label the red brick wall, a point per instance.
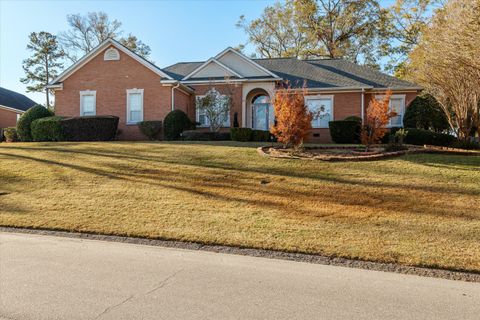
(184, 102)
(7, 118)
(235, 90)
(344, 105)
(111, 79)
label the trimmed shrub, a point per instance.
(151, 129)
(91, 128)
(422, 137)
(175, 123)
(424, 112)
(345, 131)
(261, 135)
(241, 134)
(195, 135)
(47, 129)
(24, 123)
(10, 134)
(468, 145)
(353, 118)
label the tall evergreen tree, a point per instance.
(44, 64)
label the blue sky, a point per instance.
(175, 30)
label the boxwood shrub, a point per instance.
(196, 135)
(422, 137)
(151, 129)
(91, 128)
(175, 123)
(10, 134)
(261, 135)
(25, 122)
(47, 129)
(241, 134)
(345, 131)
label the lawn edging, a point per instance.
(255, 252)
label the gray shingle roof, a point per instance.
(12, 99)
(321, 73)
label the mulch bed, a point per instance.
(353, 153)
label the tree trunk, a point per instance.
(46, 82)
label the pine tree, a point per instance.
(43, 65)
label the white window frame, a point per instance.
(207, 125)
(111, 54)
(134, 91)
(88, 93)
(402, 114)
(322, 97)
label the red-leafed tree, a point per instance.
(375, 124)
(293, 120)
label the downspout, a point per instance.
(173, 94)
(363, 105)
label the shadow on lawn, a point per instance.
(235, 184)
(281, 167)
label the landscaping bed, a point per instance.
(416, 210)
(354, 153)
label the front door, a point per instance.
(263, 115)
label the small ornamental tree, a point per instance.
(377, 118)
(293, 120)
(216, 107)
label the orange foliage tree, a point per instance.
(293, 120)
(377, 118)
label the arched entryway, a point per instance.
(260, 113)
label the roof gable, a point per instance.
(212, 68)
(242, 64)
(99, 49)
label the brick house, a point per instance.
(12, 106)
(112, 80)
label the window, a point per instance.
(397, 104)
(111, 54)
(322, 109)
(18, 116)
(88, 103)
(203, 120)
(134, 105)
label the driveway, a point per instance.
(43, 277)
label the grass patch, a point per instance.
(421, 210)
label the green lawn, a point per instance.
(419, 210)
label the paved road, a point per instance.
(45, 277)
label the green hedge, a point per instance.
(92, 128)
(10, 134)
(261, 135)
(241, 134)
(47, 129)
(345, 131)
(151, 129)
(195, 135)
(24, 124)
(422, 137)
(175, 123)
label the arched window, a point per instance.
(111, 54)
(263, 115)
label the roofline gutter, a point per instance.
(55, 86)
(12, 109)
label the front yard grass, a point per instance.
(421, 210)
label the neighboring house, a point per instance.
(112, 80)
(12, 106)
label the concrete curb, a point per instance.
(264, 253)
